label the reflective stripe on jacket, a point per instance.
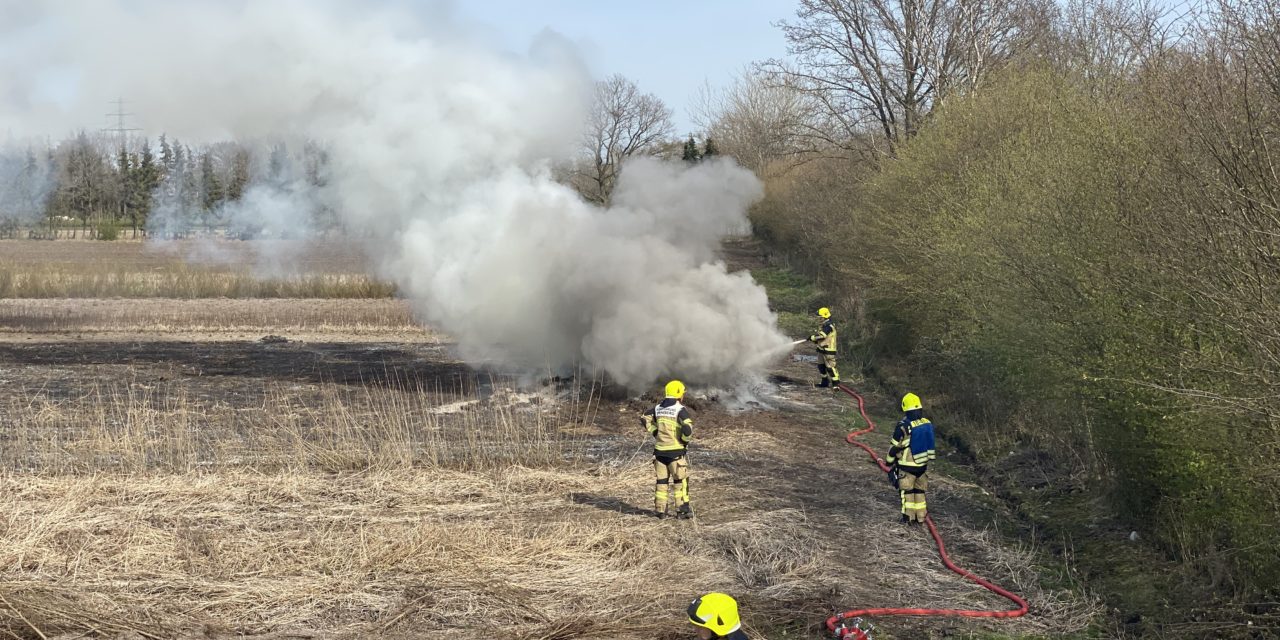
(912, 444)
(825, 337)
(670, 425)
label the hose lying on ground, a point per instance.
(942, 551)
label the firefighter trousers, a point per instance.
(830, 376)
(912, 487)
(672, 473)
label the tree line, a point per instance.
(99, 185)
(1061, 220)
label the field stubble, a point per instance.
(351, 511)
(168, 476)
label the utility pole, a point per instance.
(122, 133)
(120, 130)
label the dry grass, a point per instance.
(338, 511)
(138, 428)
(422, 554)
(23, 281)
(210, 269)
(353, 513)
(159, 316)
(319, 257)
(214, 491)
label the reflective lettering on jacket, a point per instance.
(912, 444)
(825, 337)
(670, 425)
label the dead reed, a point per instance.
(343, 320)
(187, 269)
(413, 554)
(178, 281)
(135, 428)
(390, 510)
(351, 512)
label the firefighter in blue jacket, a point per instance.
(910, 451)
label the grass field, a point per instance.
(167, 473)
(185, 269)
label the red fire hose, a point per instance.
(942, 551)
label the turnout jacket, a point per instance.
(825, 338)
(911, 447)
(671, 427)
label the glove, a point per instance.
(893, 477)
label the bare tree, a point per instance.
(624, 122)
(753, 121)
(85, 179)
(1109, 40)
(876, 68)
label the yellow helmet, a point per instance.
(910, 402)
(717, 612)
(824, 313)
(675, 389)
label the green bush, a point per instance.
(1066, 267)
(107, 231)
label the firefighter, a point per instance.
(716, 616)
(910, 451)
(671, 427)
(825, 338)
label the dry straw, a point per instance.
(391, 510)
(359, 511)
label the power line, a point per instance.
(120, 129)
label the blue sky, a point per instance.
(668, 47)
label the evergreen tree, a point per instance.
(211, 192)
(190, 192)
(124, 184)
(146, 179)
(166, 154)
(278, 165)
(690, 153)
(709, 149)
(33, 179)
(239, 174)
(177, 164)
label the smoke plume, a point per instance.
(25, 184)
(438, 152)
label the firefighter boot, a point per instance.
(684, 512)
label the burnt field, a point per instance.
(328, 468)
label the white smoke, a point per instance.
(438, 153)
(26, 181)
